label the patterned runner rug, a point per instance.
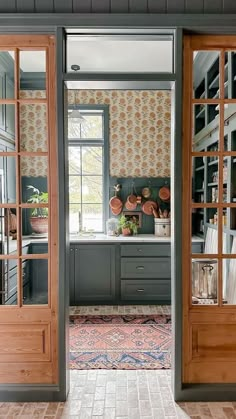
(120, 342)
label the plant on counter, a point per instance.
(128, 226)
(39, 216)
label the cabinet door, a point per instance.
(94, 273)
(72, 275)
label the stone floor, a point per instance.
(114, 394)
(119, 394)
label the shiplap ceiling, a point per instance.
(117, 6)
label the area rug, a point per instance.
(120, 342)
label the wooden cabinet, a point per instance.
(94, 274)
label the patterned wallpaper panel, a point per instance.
(33, 134)
(140, 124)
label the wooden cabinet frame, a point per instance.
(209, 347)
(33, 360)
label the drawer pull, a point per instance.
(140, 268)
(140, 290)
(139, 250)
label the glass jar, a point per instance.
(112, 226)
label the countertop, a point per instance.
(144, 238)
(99, 238)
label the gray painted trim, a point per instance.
(63, 289)
(176, 199)
(27, 393)
(207, 392)
(208, 23)
(120, 76)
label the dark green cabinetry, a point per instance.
(38, 275)
(145, 273)
(94, 274)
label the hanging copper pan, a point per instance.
(115, 203)
(116, 211)
(164, 193)
(148, 206)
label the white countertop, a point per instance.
(145, 238)
(99, 238)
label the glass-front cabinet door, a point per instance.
(209, 209)
(28, 211)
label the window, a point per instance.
(87, 169)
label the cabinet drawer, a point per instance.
(148, 250)
(145, 268)
(147, 290)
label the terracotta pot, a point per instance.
(127, 232)
(164, 193)
(39, 224)
(132, 199)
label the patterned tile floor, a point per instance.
(117, 394)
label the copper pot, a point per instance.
(164, 193)
(148, 206)
(146, 192)
(115, 203)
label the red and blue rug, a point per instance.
(120, 342)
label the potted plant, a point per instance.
(39, 216)
(128, 226)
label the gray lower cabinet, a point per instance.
(95, 273)
(145, 273)
(38, 275)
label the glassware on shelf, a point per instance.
(204, 278)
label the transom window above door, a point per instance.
(87, 168)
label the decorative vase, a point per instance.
(39, 224)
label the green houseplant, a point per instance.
(39, 216)
(128, 226)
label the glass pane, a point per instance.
(230, 75)
(7, 179)
(33, 127)
(120, 54)
(92, 217)
(204, 224)
(7, 76)
(75, 189)
(35, 281)
(198, 184)
(92, 189)
(229, 127)
(229, 279)
(92, 160)
(34, 175)
(35, 222)
(75, 218)
(206, 74)
(8, 230)
(204, 281)
(203, 115)
(8, 282)
(74, 161)
(90, 128)
(33, 73)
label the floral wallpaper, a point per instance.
(33, 134)
(140, 127)
(139, 124)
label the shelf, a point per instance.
(213, 184)
(234, 160)
(232, 232)
(199, 190)
(200, 168)
(215, 83)
(213, 162)
(201, 114)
